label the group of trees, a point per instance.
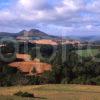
(70, 68)
(67, 68)
(12, 77)
(73, 70)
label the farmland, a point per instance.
(53, 92)
(88, 52)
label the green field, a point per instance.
(88, 52)
(53, 92)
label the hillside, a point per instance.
(33, 34)
(6, 34)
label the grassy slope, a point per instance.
(54, 92)
(88, 52)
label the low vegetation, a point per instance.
(52, 92)
(88, 52)
(71, 70)
(24, 94)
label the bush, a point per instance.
(24, 94)
(96, 80)
(65, 81)
(18, 93)
(35, 80)
(79, 80)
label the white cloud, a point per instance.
(89, 27)
(94, 6)
(39, 9)
(42, 9)
(32, 4)
(5, 15)
(66, 6)
(66, 16)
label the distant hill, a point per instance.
(85, 38)
(37, 34)
(3, 34)
(33, 33)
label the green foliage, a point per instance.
(24, 94)
(66, 68)
(96, 80)
(9, 70)
(80, 80)
(88, 52)
(34, 80)
(42, 52)
(65, 81)
(74, 71)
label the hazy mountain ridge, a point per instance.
(35, 33)
(84, 38)
(31, 33)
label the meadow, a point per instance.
(88, 52)
(53, 92)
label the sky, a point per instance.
(55, 17)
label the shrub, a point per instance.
(79, 80)
(24, 94)
(18, 93)
(65, 81)
(96, 80)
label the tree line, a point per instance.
(71, 70)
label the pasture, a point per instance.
(88, 52)
(53, 92)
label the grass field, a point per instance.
(53, 92)
(88, 52)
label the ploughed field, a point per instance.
(52, 92)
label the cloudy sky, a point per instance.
(56, 17)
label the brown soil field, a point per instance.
(24, 57)
(27, 65)
(45, 41)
